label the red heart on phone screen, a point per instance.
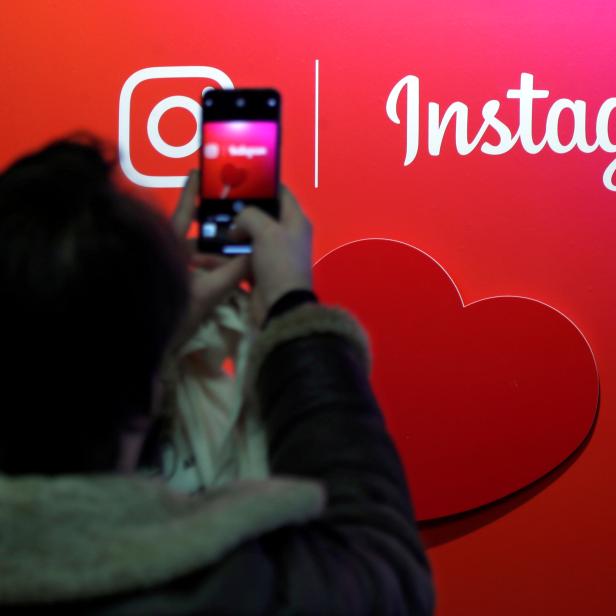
(482, 399)
(232, 176)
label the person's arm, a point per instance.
(364, 554)
(309, 368)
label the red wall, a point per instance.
(534, 225)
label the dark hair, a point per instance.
(93, 284)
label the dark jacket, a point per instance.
(331, 533)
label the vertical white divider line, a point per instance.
(316, 123)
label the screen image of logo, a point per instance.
(147, 135)
(240, 159)
(211, 151)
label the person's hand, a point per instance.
(212, 277)
(281, 257)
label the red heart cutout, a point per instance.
(481, 400)
(232, 176)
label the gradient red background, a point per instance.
(257, 174)
(540, 226)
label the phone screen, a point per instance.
(240, 156)
(239, 162)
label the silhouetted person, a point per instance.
(96, 296)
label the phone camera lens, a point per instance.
(240, 102)
(271, 102)
(209, 102)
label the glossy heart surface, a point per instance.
(482, 399)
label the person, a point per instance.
(98, 290)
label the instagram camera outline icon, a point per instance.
(160, 72)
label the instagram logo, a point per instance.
(211, 151)
(159, 127)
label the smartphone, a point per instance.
(240, 162)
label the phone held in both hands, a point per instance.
(240, 162)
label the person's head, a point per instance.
(93, 284)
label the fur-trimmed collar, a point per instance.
(305, 320)
(75, 537)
